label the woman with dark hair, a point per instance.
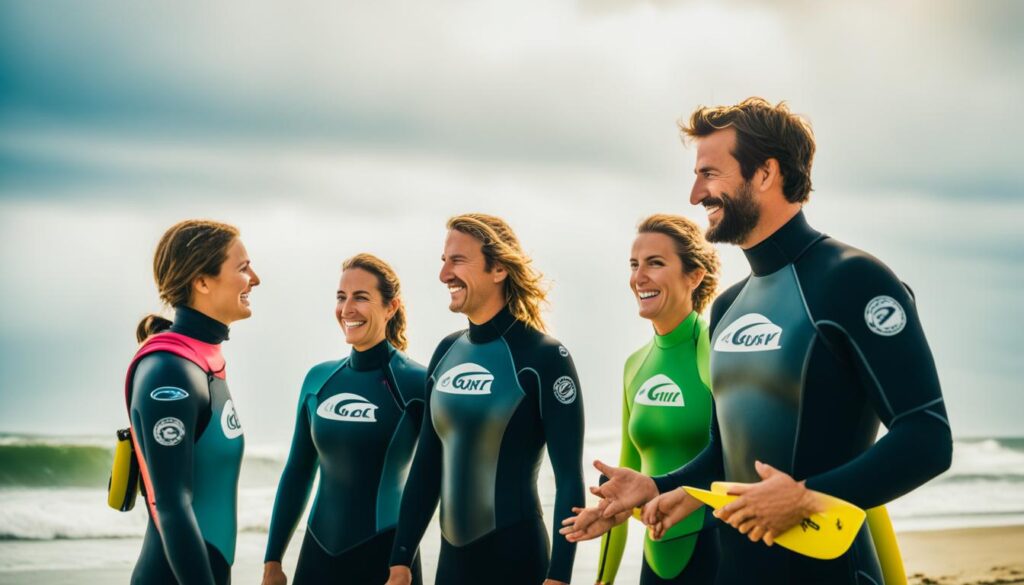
(666, 403)
(358, 420)
(184, 427)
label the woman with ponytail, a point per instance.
(357, 423)
(184, 428)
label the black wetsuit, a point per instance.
(495, 395)
(820, 343)
(185, 424)
(358, 418)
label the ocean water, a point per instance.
(53, 512)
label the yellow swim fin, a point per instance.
(124, 474)
(886, 546)
(825, 535)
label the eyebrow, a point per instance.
(704, 169)
(648, 258)
(244, 263)
(355, 292)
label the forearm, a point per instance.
(914, 451)
(292, 497)
(183, 543)
(705, 468)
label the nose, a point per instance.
(254, 279)
(446, 272)
(698, 193)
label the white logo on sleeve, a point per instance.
(348, 407)
(169, 431)
(229, 421)
(467, 378)
(659, 390)
(562, 351)
(168, 394)
(885, 316)
(565, 390)
(751, 332)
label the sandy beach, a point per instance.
(969, 556)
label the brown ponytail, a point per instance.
(389, 288)
(188, 250)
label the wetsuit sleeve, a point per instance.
(561, 405)
(169, 396)
(877, 329)
(613, 543)
(423, 486)
(295, 485)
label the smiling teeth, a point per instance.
(454, 289)
(648, 294)
(351, 324)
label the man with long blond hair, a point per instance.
(497, 392)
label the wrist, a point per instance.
(810, 503)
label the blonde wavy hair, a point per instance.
(524, 287)
(692, 248)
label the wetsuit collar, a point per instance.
(371, 359)
(685, 331)
(493, 329)
(188, 321)
(783, 247)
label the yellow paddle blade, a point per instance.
(825, 535)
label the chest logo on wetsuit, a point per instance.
(565, 390)
(885, 316)
(229, 421)
(467, 378)
(659, 390)
(751, 332)
(347, 407)
(168, 393)
(169, 431)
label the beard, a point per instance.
(739, 216)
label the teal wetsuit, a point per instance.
(666, 415)
(358, 420)
(190, 451)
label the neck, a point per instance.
(772, 218)
(487, 311)
(667, 324)
(363, 346)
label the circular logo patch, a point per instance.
(169, 431)
(168, 393)
(565, 390)
(885, 316)
(562, 351)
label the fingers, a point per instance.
(764, 470)
(607, 470)
(613, 508)
(769, 538)
(735, 517)
(739, 489)
(726, 511)
(756, 534)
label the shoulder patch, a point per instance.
(169, 431)
(885, 316)
(562, 351)
(565, 390)
(168, 393)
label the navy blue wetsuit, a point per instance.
(358, 418)
(809, 353)
(191, 443)
(496, 393)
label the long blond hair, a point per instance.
(524, 288)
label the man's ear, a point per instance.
(499, 273)
(768, 175)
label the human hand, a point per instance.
(589, 523)
(400, 575)
(625, 489)
(667, 510)
(273, 574)
(770, 507)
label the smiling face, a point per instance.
(733, 211)
(225, 297)
(361, 310)
(663, 290)
(475, 291)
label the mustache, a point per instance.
(711, 200)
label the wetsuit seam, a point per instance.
(938, 416)
(916, 409)
(396, 393)
(384, 467)
(866, 576)
(445, 354)
(804, 368)
(864, 361)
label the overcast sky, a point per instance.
(325, 131)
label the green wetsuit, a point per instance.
(666, 415)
